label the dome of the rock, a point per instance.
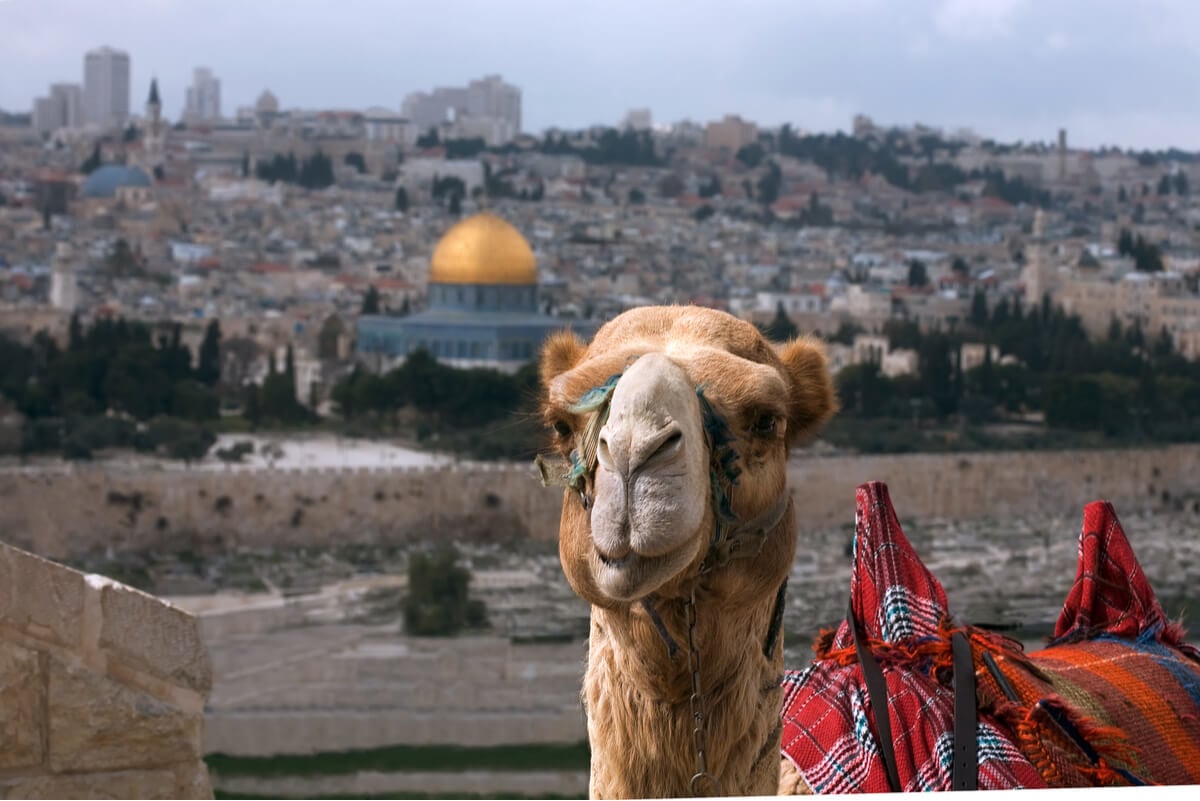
(483, 249)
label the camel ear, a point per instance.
(562, 351)
(813, 399)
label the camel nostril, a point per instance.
(668, 443)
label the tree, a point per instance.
(1164, 185)
(370, 304)
(1164, 346)
(355, 160)
(1125, 243)
(438, 601)
(455, 205)
(979, 309)
(238, 357)
(1115, 333)
(711, 187)
(670, 185)
(781, 329)
(429, 139)
(401, 200)
(121, 261)
(208, 364)
(751, 155)
(636, 197)
(245, 165)
(1181, 183)
(918, 275)
(75, 334)
(251, 403)
(192, 400)
(770, 184)
(1122, 195)
(93, 162)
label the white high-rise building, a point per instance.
(638, 119)
(69, 97)
(491, 97)
(106, 87)
(203, 96)
(63, 108)
(487, 104)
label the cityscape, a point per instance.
(263, 361)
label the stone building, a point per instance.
(483, 304)
(102, 688)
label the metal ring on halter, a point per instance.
(699, 777)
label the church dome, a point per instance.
(483, 249)
(105, 181)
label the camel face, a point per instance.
(647, 517)
(650, 481)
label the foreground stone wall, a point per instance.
(64, 513)
(102, 688)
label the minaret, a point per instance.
(1036, 276)
(154, 136)
(64, 289)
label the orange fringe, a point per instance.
(1035, 740)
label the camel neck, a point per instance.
(638, 699)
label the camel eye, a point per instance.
(764, 425)
(561, 428)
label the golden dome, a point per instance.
(483, 249)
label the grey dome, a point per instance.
(105, 181)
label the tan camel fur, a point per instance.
(645, 532)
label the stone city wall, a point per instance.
(102, 688)
(67, 512)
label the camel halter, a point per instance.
(731, 538)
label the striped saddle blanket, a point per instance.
(1114, 699)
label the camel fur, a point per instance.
(647, 532)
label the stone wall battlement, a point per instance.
(102, 688)
(65, 514)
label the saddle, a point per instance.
(901, 696)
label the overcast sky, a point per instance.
(1011, 69)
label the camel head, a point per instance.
(675, 424)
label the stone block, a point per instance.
(22, 699)
(97, 724)
(153, 636)
(123, 784)
(192, 781)
(40, 597)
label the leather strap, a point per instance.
(965, 773)
(776, 622)
(965, 768)
(877, 691)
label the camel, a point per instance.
(674, 426)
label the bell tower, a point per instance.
(154, 135)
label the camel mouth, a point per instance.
(615, 561)
(634, 576)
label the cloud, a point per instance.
(1057, 42)
(974, 20)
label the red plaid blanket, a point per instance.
(1114, 699)
(827, 728)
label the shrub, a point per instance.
(438, 603)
